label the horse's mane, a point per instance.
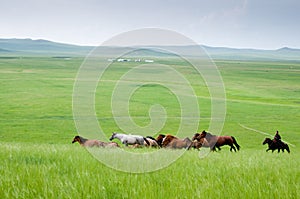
(268, 140)
(161, 135)
(171, 136)
(82, 140)
(207, 134)
(167, 139)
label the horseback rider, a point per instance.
(277, 138)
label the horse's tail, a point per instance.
(235, 143)
(150, 137)
(146, 141)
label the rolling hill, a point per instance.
(29, 47)
(41, 47)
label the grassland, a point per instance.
(36, 129)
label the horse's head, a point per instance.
(267, 140)
(112, 136)
(203, 134)
(76, 139)
(196, 136)
(159, 139)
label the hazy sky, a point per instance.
(267, 24)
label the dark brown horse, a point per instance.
(215, 141)
(91, 143)
(273, 145)
(159, 139)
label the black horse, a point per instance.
(273, 145)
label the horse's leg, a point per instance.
(232, 147)
(287, 148)
(188, 148)
(215, 147)
(282, 148)
(212, 148)
(125, 142)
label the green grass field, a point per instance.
(37, 127)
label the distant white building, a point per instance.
(149, 61)
(129, 60)
(123, 60)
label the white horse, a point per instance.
(129, 139)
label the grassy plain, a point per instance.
(36, 129)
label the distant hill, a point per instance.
(4, 50)
(253, 54)
(42, 47)
(48, 48)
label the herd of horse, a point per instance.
(204, 139)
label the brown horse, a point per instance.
(215, 141)
(200, 142)
(172, 142)
(91, 143)
(167, 140)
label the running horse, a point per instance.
(129, 139)
(200, 142)
(215, 141)
(173, 142)
(276, 145)
(91, 143)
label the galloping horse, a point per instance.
(215, 141)
(91, 143)
(276, 145)
(172, 142)
(167, 140)
(129, 139)
(200, 142)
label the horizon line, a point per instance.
(205, 45)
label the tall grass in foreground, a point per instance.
(69, 171)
